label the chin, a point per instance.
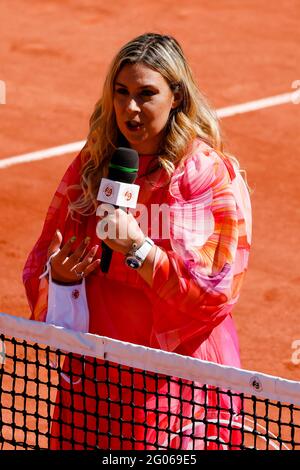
(135, 141)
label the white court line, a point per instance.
(42, 154)
(292, 97)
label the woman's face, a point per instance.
(142, 103)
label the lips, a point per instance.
(134, 125)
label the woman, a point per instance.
(190, 281)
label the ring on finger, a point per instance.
(79, 275)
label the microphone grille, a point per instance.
(124, 165)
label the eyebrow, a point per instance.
(150, 85)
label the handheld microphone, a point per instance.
(118, 189)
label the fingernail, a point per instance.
(73, 239)
(95, 248)
(87, 240)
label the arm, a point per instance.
(36, 289)
(197, 282)
(204, 238)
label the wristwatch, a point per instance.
(136, 256)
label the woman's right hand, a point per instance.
(70, 267)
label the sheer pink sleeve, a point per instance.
(37, 290)
(199, 280)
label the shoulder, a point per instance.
(202, 169)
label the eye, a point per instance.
(121, 91)
(148, 93)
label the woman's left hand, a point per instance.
(118, 229)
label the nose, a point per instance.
(132, 105)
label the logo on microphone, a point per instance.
(118, 193)
(128, 195)
(108, 190)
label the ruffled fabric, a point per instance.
(199, 267)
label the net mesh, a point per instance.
(53, 398)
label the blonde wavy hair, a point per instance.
(194, 117)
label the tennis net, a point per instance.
(65, 390)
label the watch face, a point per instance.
(132, 262)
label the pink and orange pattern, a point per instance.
(198, 270)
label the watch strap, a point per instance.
(137, 256)
(142, 252)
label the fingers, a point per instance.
(78, 253)
(65, 251)
(87, 265)
(55, 243)
(66, 265)
(91, 267)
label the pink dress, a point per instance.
(196, 283)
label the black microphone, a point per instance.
(123, 168)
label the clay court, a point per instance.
(53, 58)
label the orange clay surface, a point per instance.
(53, 58)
